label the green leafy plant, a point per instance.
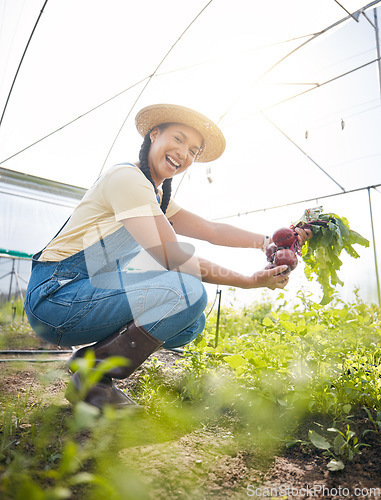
(278, 365)
(331, 235)
(91, 373)
(12, 311)
(343, 449)
(375, 421)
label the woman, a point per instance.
(85, 287)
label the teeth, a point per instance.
(176, 164)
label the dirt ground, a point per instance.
(201, 457)
(300, 472)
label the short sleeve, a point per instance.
(128, 193)
(172, 209)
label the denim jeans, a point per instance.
(91, 294)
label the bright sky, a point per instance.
(84, 53)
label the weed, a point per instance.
(12, 312)
(375, 421)
(344, 447)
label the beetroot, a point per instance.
(286, 257)
(270, 250)
(284, 250)
(284, 237)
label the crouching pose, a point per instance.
(90, 285)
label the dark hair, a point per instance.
(143, 164)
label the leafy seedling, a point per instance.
(343, 448)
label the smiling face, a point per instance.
(173, 150)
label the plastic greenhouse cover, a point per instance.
(295, 89)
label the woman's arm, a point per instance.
(191, 225)
(157, 237)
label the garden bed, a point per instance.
(230, 421)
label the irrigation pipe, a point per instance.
(374, 248)
(31, 351)
(23, 352)
(32, 360)
(176, 350)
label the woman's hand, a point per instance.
(303, 235)
(269, 278)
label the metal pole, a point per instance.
(11, 280)
(377, 43)
(18, 287)
(19, 66)
(347, 11)
(370, 201)
(374, 249)
(218, 318)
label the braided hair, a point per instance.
(143, 164)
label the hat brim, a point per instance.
(154, 115)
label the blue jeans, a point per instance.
(90, 295)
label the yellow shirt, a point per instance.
(121, 193)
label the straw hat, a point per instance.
(214, 141)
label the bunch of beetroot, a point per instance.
(284, 250)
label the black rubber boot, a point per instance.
(131, 342)
(102, 393)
